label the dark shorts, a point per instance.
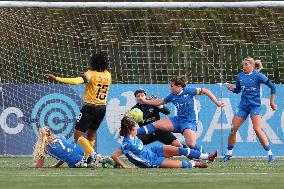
(90, 117)
(164, 137)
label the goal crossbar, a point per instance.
(39, 4)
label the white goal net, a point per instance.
(145, 48)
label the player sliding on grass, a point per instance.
(187, 116)
(98, 81)
(156, 156)
(59, 148)
(249, 83)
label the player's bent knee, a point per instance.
(233, 131)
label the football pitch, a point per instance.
(237, 173)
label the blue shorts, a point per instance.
(153, 160)
(156, 161)
(244, 112)
(75, 156)
(180, 124)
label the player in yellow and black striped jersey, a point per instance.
(98, 81)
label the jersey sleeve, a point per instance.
(192, 91)
(262, 78)
(168, 98)
(238, 88)
(123, 148)
(87, 76)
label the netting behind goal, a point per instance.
(145, 47)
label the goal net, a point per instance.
(145, 48)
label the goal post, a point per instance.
(147, 43)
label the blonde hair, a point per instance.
(256, 64)
(249, 59)
(45, 137)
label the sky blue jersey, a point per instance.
(250, 85)
(185, 103)
(63, 150)
(136, 153)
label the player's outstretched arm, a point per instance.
(38, 164)
(116, 157)
(72, 81)
(154, 102)
(208, 93)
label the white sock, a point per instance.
(203, 156)
(229, 152)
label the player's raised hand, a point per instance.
(50, 76)
(220, 104)
(143, 101)
(230, 87)
(273, 106)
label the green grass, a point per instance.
(235, 174)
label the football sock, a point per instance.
(199, 148)
(230, 150)
(268, 150)
(92, 143)
(146, 129)
(189, 153)
(84, 143)
(187, 164)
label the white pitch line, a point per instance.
(127, 175)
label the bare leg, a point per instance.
(190, 138)
(164, 125)
(236, 122)
(177, 143)
(78, 134)
(256, 121)
(168, 163)
(170, 151)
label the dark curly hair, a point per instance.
(127, 125)
(99, 62)
(179, 80)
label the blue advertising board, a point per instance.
(26, 107)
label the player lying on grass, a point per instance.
(61, 149)
(154, 157)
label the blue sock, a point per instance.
(147, 129)
(189, 153)
(230, 147)
(199, 148)
(267, 148)
(186, 164)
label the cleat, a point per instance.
(94, 160)
(212, 156)
(226, 158)
(200, 164)
(271, 159)
(82, 163)
(107, 162)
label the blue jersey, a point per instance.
(185, 103)
(250, 85)
(63, 150)
(139, 155)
